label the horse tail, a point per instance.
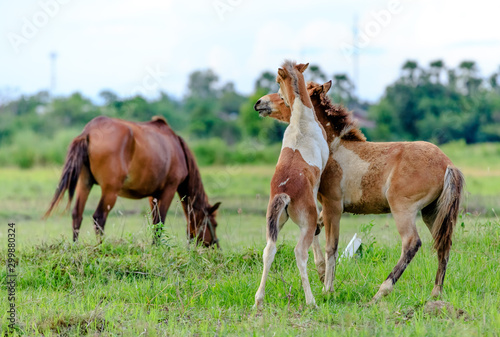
(275, 210)
(447, 208)
(75, 159)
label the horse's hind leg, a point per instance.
(429, 216)
(83, 188)
(108, 199)
(307, 229)
(268, 258)
(405, 223)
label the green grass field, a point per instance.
(126, 287)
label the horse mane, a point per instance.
(341, 120)
(192, 186)
(289, 66)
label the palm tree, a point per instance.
(469, 77)
(409, 70)
(494, 81)
(436, 69)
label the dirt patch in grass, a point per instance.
(441, 308)
(67, 325)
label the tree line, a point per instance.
(434, 103)
(439, 104)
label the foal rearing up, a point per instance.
(365, 177)
(295, 183)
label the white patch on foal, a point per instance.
(305, 135)
(284, 183)
(353, 170)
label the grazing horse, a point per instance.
(364, 177)
(135, 160)
(295, 182)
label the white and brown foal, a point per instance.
(295, 183)
(364, 177)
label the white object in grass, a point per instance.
(352, 247)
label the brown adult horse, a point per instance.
(295, 183)
(135, 160)
(364, 177)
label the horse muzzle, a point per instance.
(263, 108)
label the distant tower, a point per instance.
(355, 56)
(53, 75)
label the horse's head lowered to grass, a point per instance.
(202, 223)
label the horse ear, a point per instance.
(302, 67)
(282, 73)
(327, 86)
(214, 208)
(315, 89)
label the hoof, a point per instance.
(374, 300)
(320, 268)
(436, 291)
(312, 306)
(322, 277)
(328, 291)
(258, 305)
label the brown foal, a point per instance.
(364, 177)
(295, 183)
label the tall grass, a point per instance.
(128, 287)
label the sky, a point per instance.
(132, 47)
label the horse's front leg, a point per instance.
(331, 219)
(159, 208)
(319, 258)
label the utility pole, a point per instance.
(355, 56)
(53, 75)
